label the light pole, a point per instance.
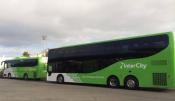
(44, 39)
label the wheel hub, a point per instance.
(113, 82)
(60, 79)
(131, 83)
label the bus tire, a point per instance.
(131, 83)
(25, 77)
(113, 82)
(60, 79)
(9, 75)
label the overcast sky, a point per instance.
(67, 22)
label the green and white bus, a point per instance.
(25, 68)
(143, 61)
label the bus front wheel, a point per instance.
(131, 83)
(60, 79)
(113, 82)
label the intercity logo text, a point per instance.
(132, 66)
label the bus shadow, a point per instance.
(157, 89)
(97, 85)
(23, 79)
(121, 87)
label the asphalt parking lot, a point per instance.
(19, 90)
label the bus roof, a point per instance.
(21, 58)
(112, 40)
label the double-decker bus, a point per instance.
(143, 61)
(25, 68)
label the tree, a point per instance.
(26, 54)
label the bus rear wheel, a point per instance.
(131, 83)
(25, 77)
(113, 82)
(60, 79)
